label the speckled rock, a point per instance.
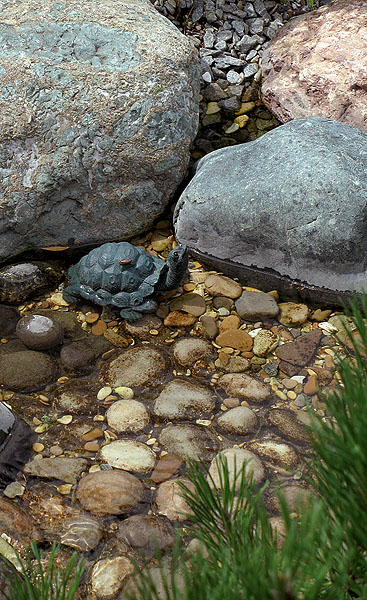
(109, 492)
(286, 422)
(236, 364)
(292, 314)
(82, 533)
(297, 354)
(109, 575)
(181, 399)
(27, 370)
(146, 533)
(244, 386)
(265, 341)
(63, 468)
(188, 350)
(129, 455)
(70, 183)
(189, 441)
(235, 458)
(275, 451)
(256, 305)
(238, 421)
(38, 332)
(127, 416)
(74, 397)
(169, 499)
(134, 367)
(22, 280)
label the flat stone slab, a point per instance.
(286, 211)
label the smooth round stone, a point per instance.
(287, 423)
(129, 456)
(143, 326)
(109, 492)
(76, 355)
(236, 364)
(39, 332)
(74, 397)
(235, 338)
(167, 466)
(219, 285)
(235, 458)
(256, 305)
(232, 322)
(127, 416)
(27, 370)
(146, 533)
(82, 533)
(297, 498)
(17, 523)
(223, 302)
(189, 441)
(192, 303)
(181, 399)
(244, 386)
(265, 341)
(210, 328)
(188, 350)
(177, 318)
(275, 452)
(170, 501)
(134, 367)
(109, 575)
(238, 421)
(292, 314)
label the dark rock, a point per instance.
(16, 523)
(39, 332)
(8, 320)
(27, 370)
(76, 355)
(301, 351)
(314, 234)
(147, 533)
(20, 281)
(16, 439)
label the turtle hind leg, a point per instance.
(72, 294)
(130, 315)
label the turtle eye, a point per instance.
(136, 301)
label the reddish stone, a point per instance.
(316, 65)
(300, 352)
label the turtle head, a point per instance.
(177, 262)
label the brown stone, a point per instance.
(219, 285)
(293, 314)
(244, 386)
(320, 315)
(300, 352)
(231, 322)
(116, 339)
(287, 423)
(191, 303)
(235, 338)
(15, 522)
(109, 492)
(166, 467)
(316, 65)
(310, 387)
(99, 328)
(179, 319)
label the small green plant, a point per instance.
(34, 581)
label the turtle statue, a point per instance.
(16, 438)
(122, 275)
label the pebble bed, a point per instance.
(118, 408)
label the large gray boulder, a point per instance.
(288, 207)
(98, 108)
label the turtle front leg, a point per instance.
(130, 315)
(71, 294)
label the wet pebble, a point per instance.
(265, 341)
(167, 466)
(109, 492)
(177, 318)
(146, 533)
(189, 441)
(238, 421)
(292, 314)
(181, 399)
(219, 285)
(109, 575)
(82, 533)
(236, 364)
(188, 350)
(235, 458)
(235, 338)
(297, 498)
(38, 332)
(256, 305)
(275, 451)
(244, 386)
(192, 303)
(127, 416)
(76, 355)
(169, 499)
(298, 353)
(143, 326)
(129, 455)
(27, 370)
(9, 317)
(287, 423)
(210, 328)
(64, 469)
(17, 524)
(134, 367)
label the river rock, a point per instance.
(109, 492)
(218, 285)
(315, 234)
(244, 386)
(76, 355)
(188, 350)
(146, 533)
(287, 423)
(9, 317)
(104, 107)
(274, 451)
(16, 523)
(108, 576)
(256, 305)
(181, 399)
(235, 458)
(312, 68)
(39, 332)
(167, 466)
(27, 370)
(134, 367)
(265, 341)
(189, 441)
(238, 421)
(129, 455)
(170, 501)
(65, 469)
(82, 533)
(127, 416)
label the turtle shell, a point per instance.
(116, 267)
(19, 281)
